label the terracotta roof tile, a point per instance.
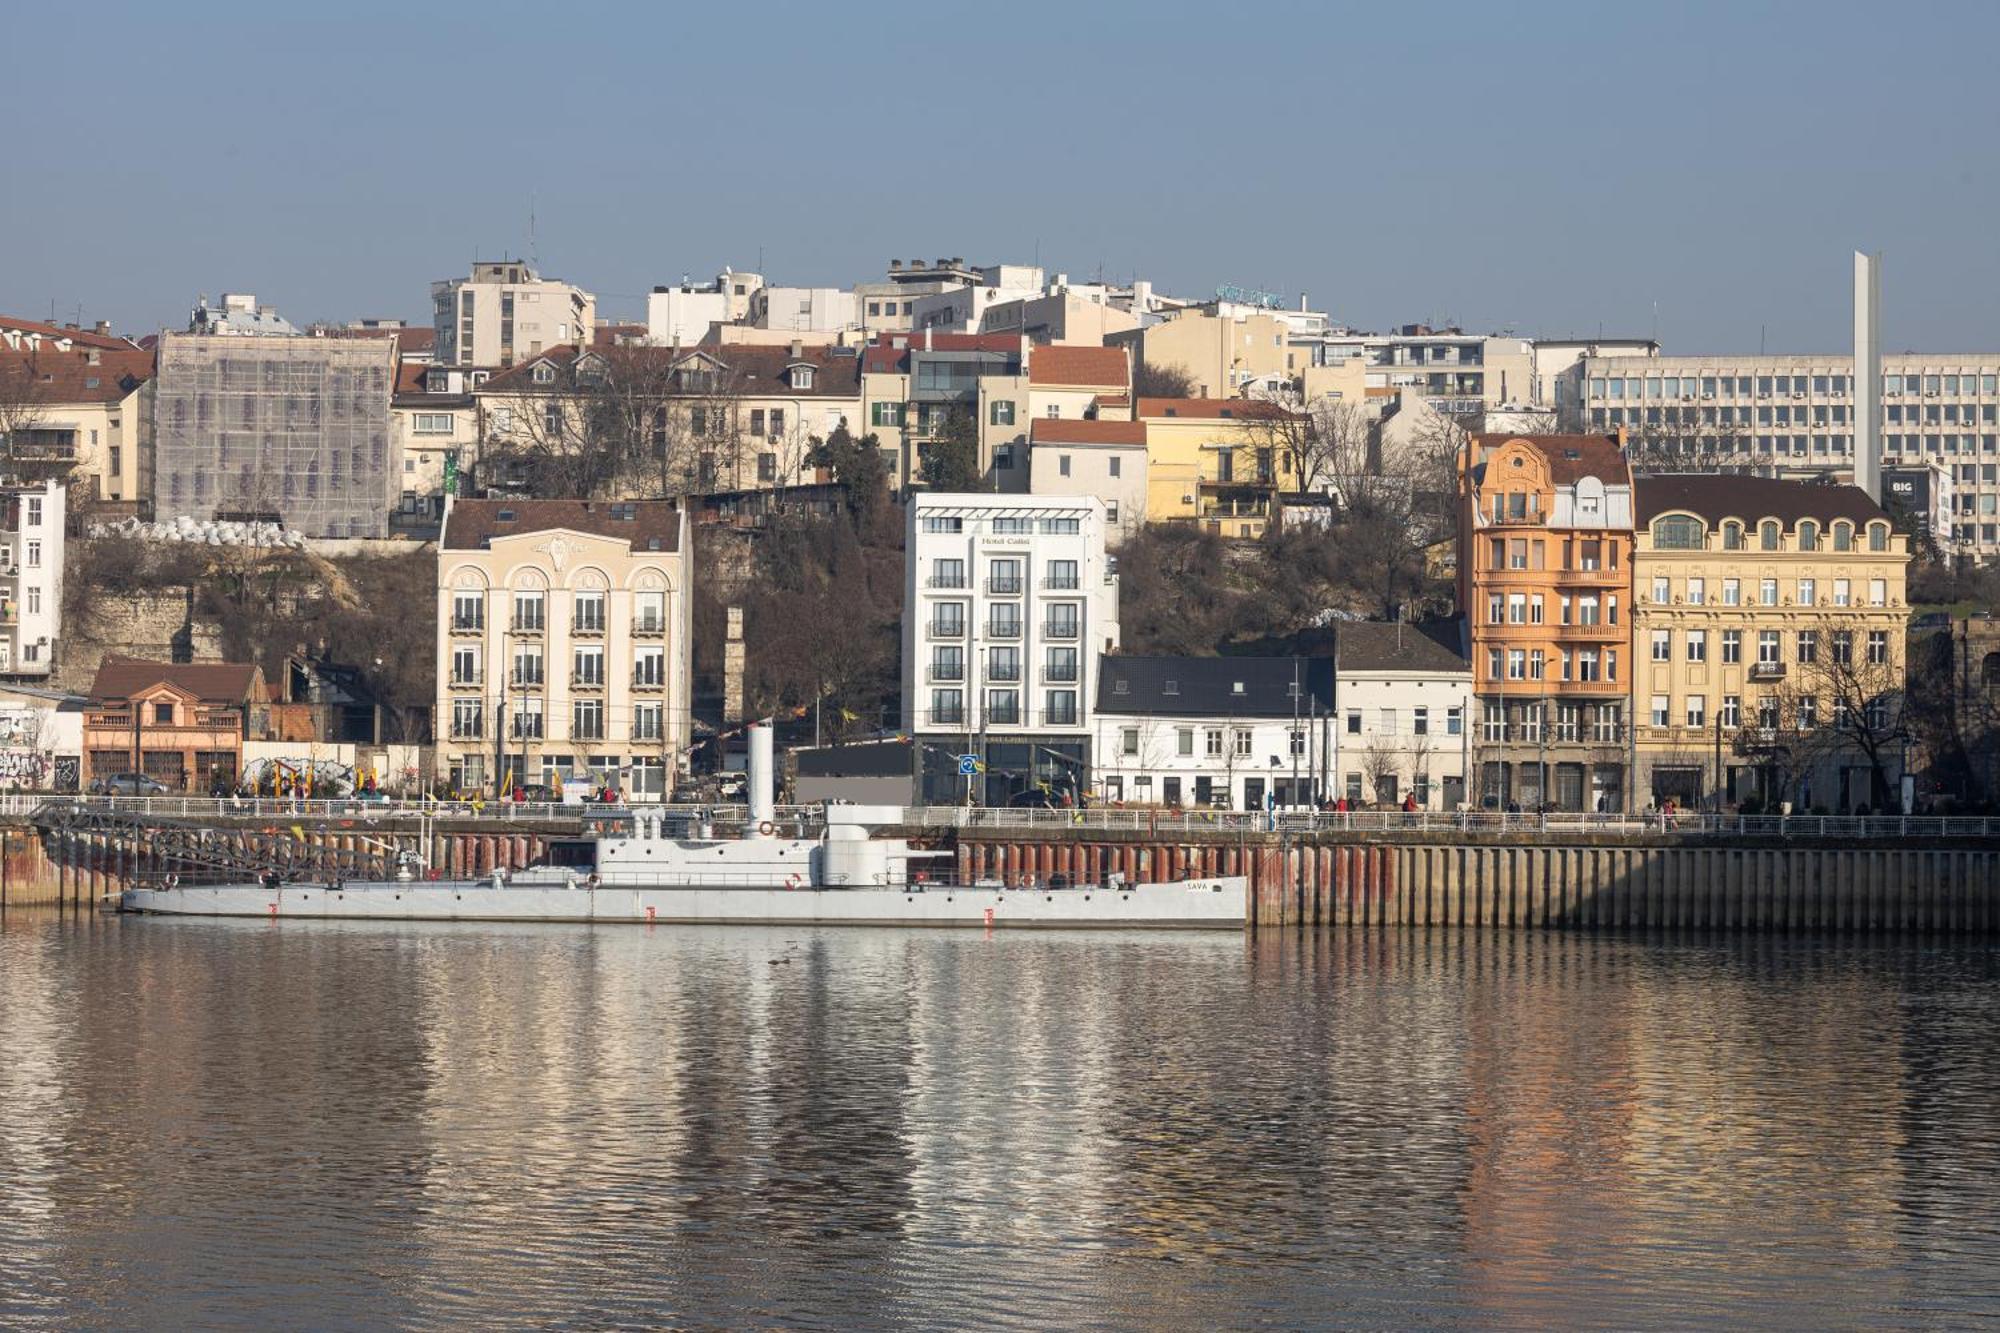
(889, 354)
(471, 524)
(1208, 409)
(1572, 457)
(211, 682)
(1087, 366)
(1047, 430)
(750, 370)
(80, 337)
(69, 377)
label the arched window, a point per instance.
(1878, 536)
(1843, 536)
(1678, 532)
(1767, 534)
(1732, 536)
(1808, 536)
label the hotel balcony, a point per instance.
(1767, 671)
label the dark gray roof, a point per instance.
(1382, 645)
(863, 759)
(1208, 686)
(1716, 496)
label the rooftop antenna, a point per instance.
(534, 251)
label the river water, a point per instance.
(223, 1123)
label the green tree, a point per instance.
(861, 470)
(951, 461)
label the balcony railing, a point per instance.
(1003, 629)
(649, 628)
(526, 680)
(947, 629)
(467, 678)
(1062, 674)
(1004, 587)
(943, 671)
(1060, 629)
(947, 717)
(946, 581)
(1004, 673)
(1062, 583)
(527, 626)
(649, 680)
(468, 624)
(1517, 520)
(1767, 671)
(1008, 715)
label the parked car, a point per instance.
(127, 784)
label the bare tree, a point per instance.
(1844, 703)
(1325, 446)
(24, 400)
(1152, 379)
(1382, 763)
(1685, 438)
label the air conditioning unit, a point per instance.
(1708, 395)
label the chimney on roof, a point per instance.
(798, 349)
(927, 337)
(895, 266)
(103, 327)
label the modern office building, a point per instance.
(1545, 577)
(563, 631)
(1784, 413)
(1768, 629)
(1009, 600)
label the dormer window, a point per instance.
(802, 377)
(544, 373)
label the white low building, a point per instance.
(1404, 697)
(1218, 732)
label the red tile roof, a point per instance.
(1049, 430)
(1208, 409)
(80, 337)
(472, 524)
(1089, 366)
(410, 340)
(49, 376)
(1571, 457)
(210, 682)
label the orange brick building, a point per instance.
(181, 723)
(1545, 582)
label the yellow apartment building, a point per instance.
(1768, 643)
(1214, 461)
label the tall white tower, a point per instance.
(1868, 374)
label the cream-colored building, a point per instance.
(563, 645)
(1214, 461)
(704, 418)
(506, 312)
(1065, 383)
(1078, 318)
(81, 414)
(1768, 640)
(912, 384)
(1224, 356)
(437, 424)
(1106, 459)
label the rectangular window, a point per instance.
(529, 612)
(1002, 412)
(1808, 647)
(431, 423)
(1767, 592)
(1386, 721)
(588, 667)
(464, 666)
(1732, 592)
(528, 724)
(1697, 710)
(467, 715)
(1842, 592)
(1059, 708)
(1212, 742)
(1878, 647)
(1697, 645)
(587, 720)
(1062, 574)
(1660, 710)
(1061, 665)
(1663, 645)
(1697, 591)
(1184, 742)
(1128, 742)
(527, 666)
(1732, 711)
(1661, 590)
(1454, 721)
(1808, 591)
(34, 553)
(588, 613)
(468, 610)
(649, 668)
(1878, 592)
(646, 722)
(1242, 742)
(1420, 721)
(1003, 707)
(1768, 647)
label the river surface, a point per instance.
(312, 1124)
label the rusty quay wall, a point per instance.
(1603, 885)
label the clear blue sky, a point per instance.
(1551, 168)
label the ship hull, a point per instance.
(1215, 904)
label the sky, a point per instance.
(1697, 173)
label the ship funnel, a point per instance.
(763, 804)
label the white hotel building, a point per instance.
(1009, 600)
(1790, 414)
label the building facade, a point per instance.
(1545, 577)
(563, 645)
(1008, 602)
(1216, 462)
(1403, 712)
(1106, 459)
(1768, 625)
(1797, 412)
(914, 385)
(505, 312)
(292, 429)
(1224, 356)
(79, 413)
(437, 433)
(182, 724)
(32, 529)
(1226, 733)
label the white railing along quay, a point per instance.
(726, 818)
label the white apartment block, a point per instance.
(1456, 373)
(803, 309)
(683, 314)
(32, 520)
(506, 312)
(563, 632)
(1789, 414)
(1009, 600)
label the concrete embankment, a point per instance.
(1530, 883)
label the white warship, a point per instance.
(639, 870)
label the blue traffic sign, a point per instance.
(970, 765)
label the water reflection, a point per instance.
(217, 1123)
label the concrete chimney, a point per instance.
(732, 667)
(763, 780)
(1868, 374)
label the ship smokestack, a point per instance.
(763, 802)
